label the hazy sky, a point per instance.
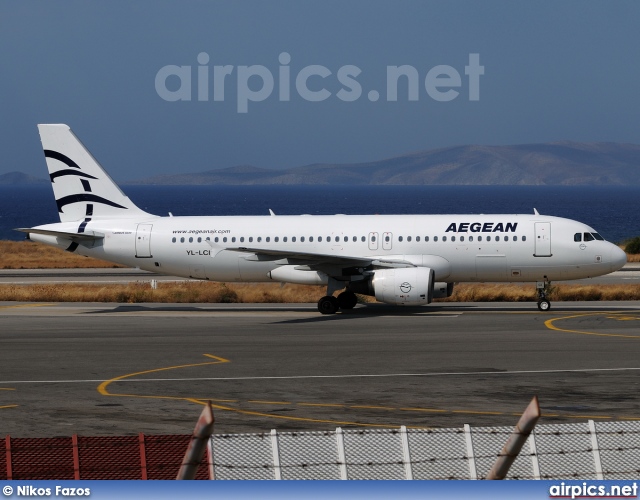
(552, 71)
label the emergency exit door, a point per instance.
(543, 239)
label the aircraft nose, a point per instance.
(617, 258)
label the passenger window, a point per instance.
(173, 240)
(399, 238)
(302, 239)
(241, 239)
(577, 237)
(506, 238)
(216, 239)
(588, 237)
(337, 238)
(328, 239)
(417, 238)
(408, 238)
(224, 240)
(310, 239)
(453, 238)
(276, 239)
(355, 238)
(435, 238)
(515, 238)
(363, 239)
(386, 238)
(233, 239)
(597, 236)
(250, 239)
(259, 239)
(524, 238)
(293, 239)
(488, 238)
(190, 240)
(346, 238)
(461, 238)
(199, 239)
(444, 238)
(479, 238)
(268, 239)
(497, 238)
(373, 238)
(426, 238)
(320, 239)
(182, 240)
(284, 239)
(470, 238)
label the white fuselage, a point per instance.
(459, 248)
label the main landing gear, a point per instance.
(543, 290)
(330, 305)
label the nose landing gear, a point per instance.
(543, 290)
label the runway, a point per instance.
(112, 369)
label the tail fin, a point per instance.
(83, 190)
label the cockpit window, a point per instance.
(597, 236)
(577, 237)
(588, 237)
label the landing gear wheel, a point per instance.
(328, 305)
(544, 305)
(347, 300)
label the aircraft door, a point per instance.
(373, 241)
(543, 239)
(143, 240)
(387, 241)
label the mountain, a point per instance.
(19, 178)
(559, 163)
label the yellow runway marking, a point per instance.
(271, 402)
(17, 306)
(217, 403)
(8, 406)
(551, 326)
(7, 389)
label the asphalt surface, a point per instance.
(629, 274)
(113, 369)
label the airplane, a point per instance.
(398, 259)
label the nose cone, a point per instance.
(617, 258)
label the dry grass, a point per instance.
(32, 255)
(208, 292)
(497, 292)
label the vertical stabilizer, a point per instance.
(83, 190)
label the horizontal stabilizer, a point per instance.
(77, 237)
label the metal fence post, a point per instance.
(473, 472)
(7, 447)
(596, 450)
(143, 457)
(275, 450)
(516, 441)
(342, 459)
(76, 457)
(535, 463)
(195, 451)
(406, 453)
(212, 471)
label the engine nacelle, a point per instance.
(404, 286)
(289, 274)
(442, 290)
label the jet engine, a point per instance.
(404, 286)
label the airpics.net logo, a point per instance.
(257, 83)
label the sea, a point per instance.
(614, 211)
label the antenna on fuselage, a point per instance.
(535, 212)
(271, 212)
